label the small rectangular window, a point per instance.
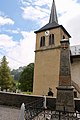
(52, 38)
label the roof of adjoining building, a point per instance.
(75, 50)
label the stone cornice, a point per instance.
(47, 48)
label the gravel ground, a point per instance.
(9, 113)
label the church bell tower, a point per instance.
(47, 55)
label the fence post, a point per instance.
(22, 112)
(45, 102)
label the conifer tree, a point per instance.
(5, 75)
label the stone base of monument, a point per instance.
(65, 99)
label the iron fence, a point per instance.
(33, 109)
(36, 111)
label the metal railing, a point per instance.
(37, 110)
(53, 115)
(65, 116)
(34, 108)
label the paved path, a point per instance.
(9, 113)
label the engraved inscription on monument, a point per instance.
(65, 94)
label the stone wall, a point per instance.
(16, 100)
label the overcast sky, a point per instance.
(20, 18)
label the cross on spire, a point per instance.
(53, 15)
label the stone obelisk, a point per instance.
(65, 94)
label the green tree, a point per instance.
(26, 78)
(5, 75)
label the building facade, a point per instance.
(47, 55)
(75, 68)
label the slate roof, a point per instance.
(53, 21)
(52, 26)
(48, 26)
(53, 15)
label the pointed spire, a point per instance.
(53, 21)
(53, 15)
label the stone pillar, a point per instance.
(65, 94)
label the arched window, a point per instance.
(42, 41)
(63, 37)
(51, 39)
